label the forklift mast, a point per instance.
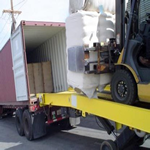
(120, 23)
(123, 35)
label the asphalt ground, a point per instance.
(86, 136)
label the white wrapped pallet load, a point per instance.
(82, 29)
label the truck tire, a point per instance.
(65, 124)
(108, 145)
(123, 87)
(19, 122)
(27, 124)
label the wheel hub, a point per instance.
(122, 89)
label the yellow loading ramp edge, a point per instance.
(131, 116)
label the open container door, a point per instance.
(19, 65)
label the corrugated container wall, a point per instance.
(7, 85)
(53, 50)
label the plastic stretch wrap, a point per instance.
(75, 5)
(95, 5)
(82, 28)
(106, 26)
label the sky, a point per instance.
(32, 10)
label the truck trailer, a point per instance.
(23, 76)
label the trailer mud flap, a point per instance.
(39, 125)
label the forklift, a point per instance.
(130, 82)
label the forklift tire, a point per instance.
(27, 124)
(108, 145)
(19, 122)
(123, 87)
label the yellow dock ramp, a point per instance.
(131, 116)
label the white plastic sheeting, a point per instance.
(106, 27)
(75, 5)
(92, 5)
(82, 29)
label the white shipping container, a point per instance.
(40, 64)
